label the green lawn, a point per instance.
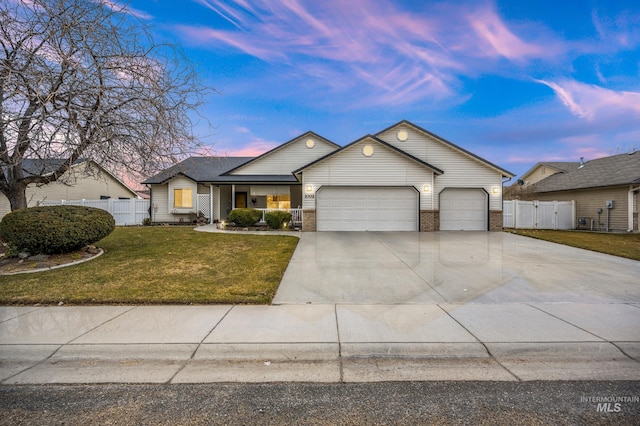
(158, 265)
(622, 245)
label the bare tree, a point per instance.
(83, 79)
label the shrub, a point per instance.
(277, 218)
(55, 229)
(245, 217)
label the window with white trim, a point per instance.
(183, 198)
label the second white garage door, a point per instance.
(367, 209)
(463, 210)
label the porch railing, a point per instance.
(296, 214)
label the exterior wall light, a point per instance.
(495, 190)
(426, 188)
(309, 188)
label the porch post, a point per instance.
(210, 203)
(233, 196)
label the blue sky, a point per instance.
(515, 82)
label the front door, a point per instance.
(241, 200)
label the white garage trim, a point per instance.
(367, 208)
(464, 209)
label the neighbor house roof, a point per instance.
(43, 167)
(558, 166)
(621, 169)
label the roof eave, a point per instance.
(504, 172)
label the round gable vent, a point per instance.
(367, 150)
(310, 143)
(403, 135)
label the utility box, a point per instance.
(610, 204)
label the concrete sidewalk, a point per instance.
(320, 343)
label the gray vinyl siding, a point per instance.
(291, 157)
(384, 168)
(588, 201)
(460, 169)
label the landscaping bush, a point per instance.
(245, 217)
(277, 218)
(55, 229)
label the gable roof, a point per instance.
(621, 169)
(558, 166)
(381, 142)
(43, 167)
(199, 169)
(504, 172)
(279, 147)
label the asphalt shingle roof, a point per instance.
(202, 169)
(36, 166)
(622, 169)
(563, 166)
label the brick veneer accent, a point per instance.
(308, 220)
(495, 220)
(429, 220)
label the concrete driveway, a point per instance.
(451, 267)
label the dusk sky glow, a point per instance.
(512, 81)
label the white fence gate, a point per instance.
(125, 212)
(539, 214)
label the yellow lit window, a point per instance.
(278, 201)
(182, 198)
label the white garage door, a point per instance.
(463, 210)
(367, 209)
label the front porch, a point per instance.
(217, 201)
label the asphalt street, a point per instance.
(398, 403)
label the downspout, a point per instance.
(630, 208)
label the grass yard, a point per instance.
(622, 245)
(157, 265)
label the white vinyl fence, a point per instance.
(125, 212)
(539, 214)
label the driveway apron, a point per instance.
(451, 267)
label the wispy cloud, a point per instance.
(619, 32)
(496, 39)
(368, 46)
(117, 6)
(589, 101)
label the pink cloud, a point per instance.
(373, 46)
(498, 40)
(117, 6)
(252, 149)
(589, 101)
(241, 42)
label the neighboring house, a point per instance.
(605, 190)
(543, 170)
(404, 178)
(84, 180)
